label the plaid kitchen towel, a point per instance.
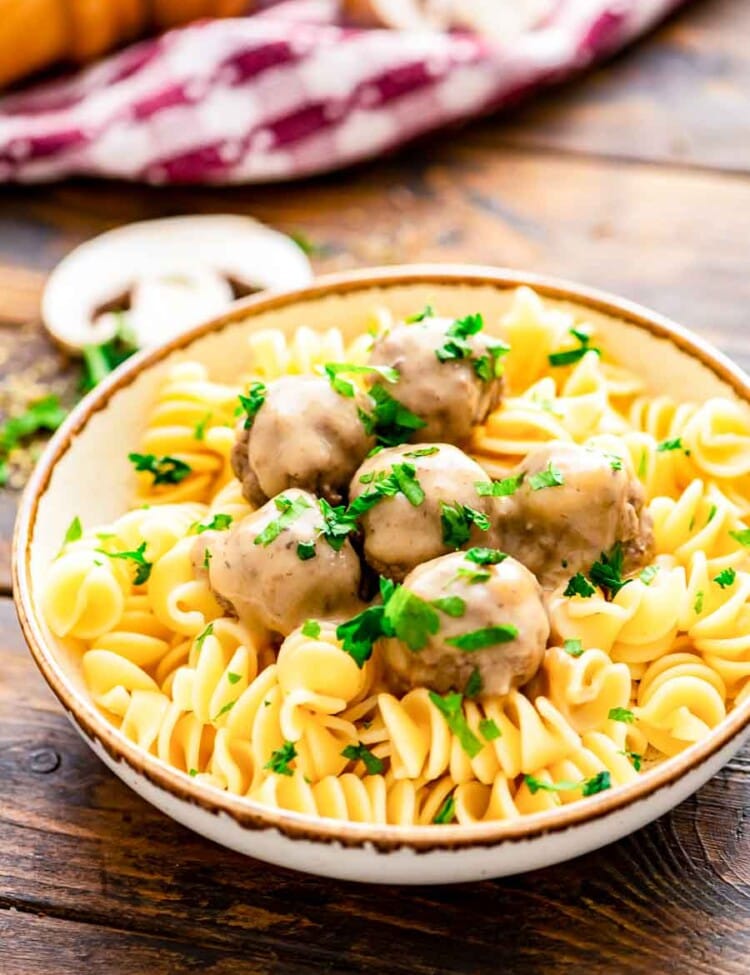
(290, 91)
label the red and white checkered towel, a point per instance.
(290, 91)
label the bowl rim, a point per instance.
(250, 814)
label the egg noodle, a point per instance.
(626, 681)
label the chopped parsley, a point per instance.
(698, 604)
(290, 511)
(390, 422)
(164, 470)
(219, 523)
(607, 572)
(410, 618)
(615, 462)
(574, 647)
(488, 636)
(306, 550)
(621, 714)
(499, 489)
(340, 522)
(199, 431)
(643, 464)
(446, 813)
(635, 758)
(359, 634)
(711, 514)
(250, 404)
(457, 347)
(225, 710)
(549, 477)
(578, 585)
(233, 678)
(472, 576)
(405, 476)
(422, 452)
(648, 574)
(281, 758)
(489, 730)
(668, 445)
(344, 387)
(726, 578)
(589, 787)
(456, 520)
(100, 360)
(743, 536)
(202, 637)
(143, 566)
(361, 753)
(207, 556)
(73, 532)
(474, 684)
(485, 556)
(450, 707)
(569, 357)
(311, 628)
(450, 605)
(45, 414)
(193, 772)
(427, 312)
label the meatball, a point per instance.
(448, 378)
(404, 528)
(493, 621)
(304, 435)
(274, 568)
(573, 504)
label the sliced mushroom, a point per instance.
(167, 275)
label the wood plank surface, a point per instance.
(89, 871)
(635, 179)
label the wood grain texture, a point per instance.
(90, 868)
(637, 181)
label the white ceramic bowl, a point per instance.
(85, 471)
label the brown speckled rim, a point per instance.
(254, 816)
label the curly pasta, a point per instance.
(632, 675)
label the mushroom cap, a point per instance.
(198, 254)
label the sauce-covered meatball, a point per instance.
(491, 619)
(305, 435)
(275, 569)
(572, 504)
(448, 375)
(425, 503)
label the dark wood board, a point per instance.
(636, 180)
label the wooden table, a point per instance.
(636, 180)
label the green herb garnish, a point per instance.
(472, 577)
(698, 604)
(359, 634)
(199, 431)
(589, 787)
(207, 556)
(446, 813)
(488, 636)
(233, 678)
(335, 370)
(499, 489)
(570, 356)
(250, 404)
(73, 533)
(456, 520)
(474, 684)
(200, 640)
(485, 556)
(219, 523)
(634, 757)
(607, 572)
(427, 312)
(143, 566)
(290, 510)
(410, 618)
(489, 730)
(422, 452)
(390, 422)
(450, 605)
(549, 477)
(361, 753)
(574, 647)
(450, 707)
(306, 550)
(743, 536)
(280, 759)
(668, 445)
(726, 578)
(311, 628)
(164, 470)
(578, 585)
(621, 714)
(45, 414)
(648, 574)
